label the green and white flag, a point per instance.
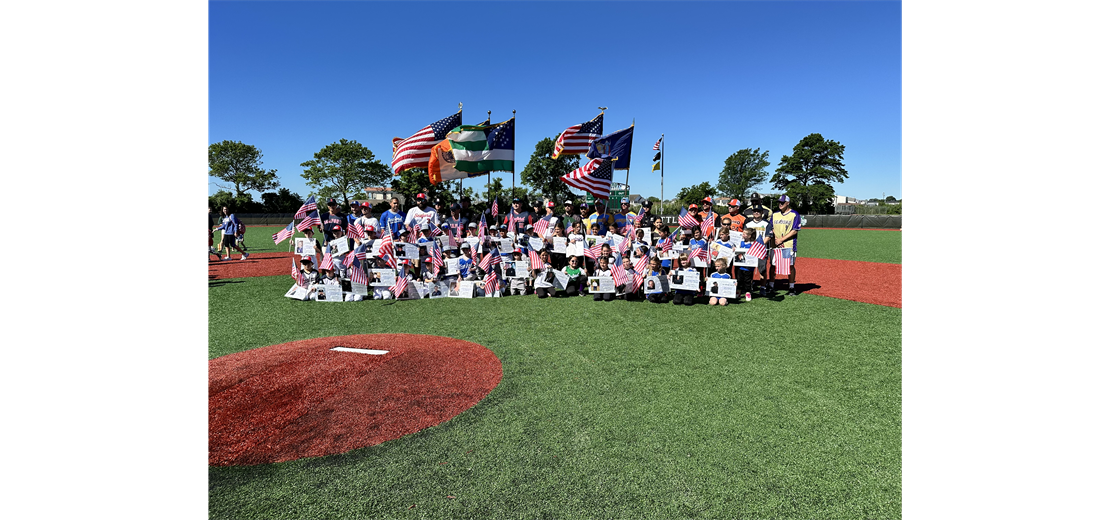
(483, 148)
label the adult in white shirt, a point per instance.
(421, 214)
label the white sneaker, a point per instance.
(244, 257)
(747, 296)
(227, 258)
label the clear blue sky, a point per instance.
(715, 77)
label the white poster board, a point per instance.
(452, 265)
(718, 251)
(339, 246)
(297, 293)
(593, 240)
(544, 279)
(328, 293)
(720, 288)
(515, 269)
(656, 284)
(559, 244)
(561, 280)
(600, 284)
(304, 246)
(505, 244)
(382, 277)
(746, 261)
(574, 245)
(359, 289)
(466, 289)
(406, 251)
(444, 243)
(439, 290)
(684, 280)
(535, 244)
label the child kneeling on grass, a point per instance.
(655, 268)
(544, 271)
(603, 270)
(722, 273)
(574, 274)
(683, 296)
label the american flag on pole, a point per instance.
(283, 234)
(416, 151)
(640, 215)
(309, 205)
(576, 139)
(493, 211)
(534, 257)
(312, 220)
(437, 257)
(782, 260)
(436, 231)
(641, 263)
(595, 251)
(595, 177)
(297, 275)
(326, 262)
(686, 219)
(385, 248)
(402, 284)
(666, 243)
(637, 279)
(707, 225)
(357, 273)
(482, 229)
(757, 250)
(657, 143)
(486, 262)
(540, 227)
(699, 252)
(492, 284)
(355, 230)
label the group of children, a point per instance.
(629, 257)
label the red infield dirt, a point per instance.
(867, 282)
(302, 399)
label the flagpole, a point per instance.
(661, 157)
(513, 193)
(489, 189)
(629, 170)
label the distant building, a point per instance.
(377, 194)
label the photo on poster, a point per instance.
(544, 279)
(656, 284)
(559, 244)
(593, 240)
(522, 268)
(684, 280)
(297, 293)
(406, 251)
(382, 277)
(345, 283)
(466, 289)
(439, 290)
(718, 251)
(720, 288)
(304, 246)
(744, 260)
(339, 246)
(329, 293)
(600, 284)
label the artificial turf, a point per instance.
(788, 408)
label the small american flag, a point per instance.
(699, 252)
(595, 177)
(309, 205)
(707, 225)
(416, 151)
(641, 264)
(657, 143)
(389, 260)
(402, 284)
(576, 139)
(640, 215)
(537, 262)
(541, 226)
(357, 274)
(493, 211)
(284, 234)
(385, 249)
(666, 243)
(492, 285)
(486, 262)
(637, 279)
(297, 275)
(595, 251)
(312, 220)
(686, 219)
(782, 260)
(482, 229)
(436, 231)
(355, 230)
(620, 276)
(757, 250)
(349, 259)
(326, 262)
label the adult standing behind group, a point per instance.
(392, 219)
(518, 218)
(571, 215)
(736, 219)
(786, 223)
(421, 213)
(601, 217)
(456, 223)
(230, 226)
(333, 219)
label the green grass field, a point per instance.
(768, 409)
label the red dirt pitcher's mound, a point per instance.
(302, 399)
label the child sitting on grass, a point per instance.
(655, 268)
(575, 275)
(684, 269)
(721, 273)
(545, 272)
(603, 270)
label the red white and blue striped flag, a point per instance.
(309, 205)
(284, 234)
(699, 252)
(493, 211)
(595, 177)
(641, 263)
(707, 225)
(355, 230)
(757, 250)
(595, 251)
(416, 151)
(356, 273)
(666, 244)
(640, 215)
(326, 262)
(312, 220)
(657, 143)
(534, 257)
(686, 219)
(491, 282)
(402, 284)
(297, 275)
(576, 139)
(482, 230)
(782, 260)
(540, 227)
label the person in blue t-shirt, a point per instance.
(230, 227)
(392, 218)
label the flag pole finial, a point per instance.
(603, 109)
(460, 106)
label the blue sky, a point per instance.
(715, 77)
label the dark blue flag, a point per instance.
(615, 146)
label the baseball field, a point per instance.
(787, 407)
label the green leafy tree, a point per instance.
(284, 201)
(694, 194)
(503, 193)
(743, 171)
(891, 199)
(241, 165)
(808, 173)
(344, 169)
(543, 174)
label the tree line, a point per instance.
(343, 169)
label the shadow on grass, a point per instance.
(217, 283)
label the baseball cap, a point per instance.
(583, 205)
(516, 199)
(331, 202)
(464, 245)
(529, 226)
(455, 206)
(421, 196)
(624, 200)
(648, 203)
(708, 199)
(551, 204)
(366, 204)
(693, 206)
(755, 196)
(439, 202)
(503, 226)
(757, 209)
(568, 203)
(784, 198)
(734, 202)
(473, 225)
